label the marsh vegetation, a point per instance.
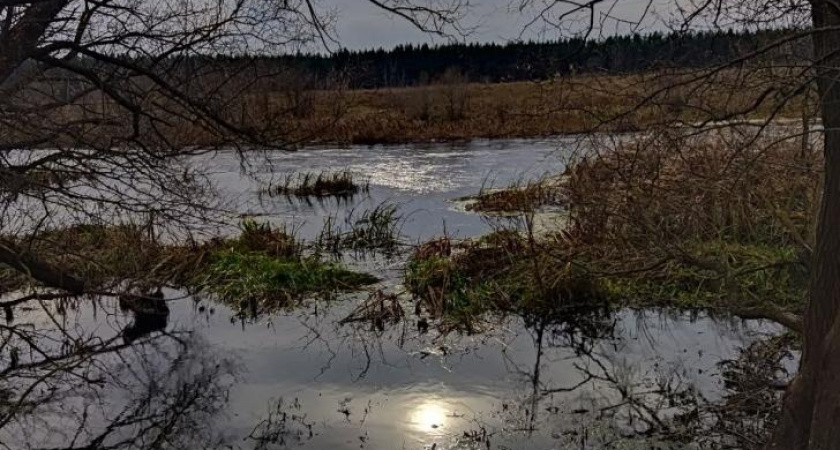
(658, 220)
(341, 184)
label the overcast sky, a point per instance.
(361, 25)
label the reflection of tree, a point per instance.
(282, 425)
(578, 331)
(65, 387)
(610, 391)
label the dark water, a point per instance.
(203, 378)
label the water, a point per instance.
(207, 379)
(422, 179)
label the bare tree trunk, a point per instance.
(811, 413)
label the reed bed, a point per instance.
(718, 220)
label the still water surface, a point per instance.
(422, 179)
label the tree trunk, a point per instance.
(19, 43)
(811, 412)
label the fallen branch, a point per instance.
(28, 264)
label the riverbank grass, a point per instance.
(714, 223)
(262, 266)
(737, 275)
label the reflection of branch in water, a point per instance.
(575, 330)
(651, 404)
(282, 424)
(67, 388)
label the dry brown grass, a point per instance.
(714, 221)
(460, 111)
(719, 221)
(720, 186)
(531, 109)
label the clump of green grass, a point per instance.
(376, 228)
(266, 269)
(718, 274)
(256, 280)
(323, 184)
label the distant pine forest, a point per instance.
(413, 65)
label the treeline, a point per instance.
(410, 65)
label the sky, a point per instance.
(361, 25)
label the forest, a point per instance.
(412, 65)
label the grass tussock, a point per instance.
(323, 184)
(373, 230)
(265, 269)
(463, 283)
(258, 282)
(262, 269)
(517, 198)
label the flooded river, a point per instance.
(208, 379)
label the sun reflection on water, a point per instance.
(429, 417)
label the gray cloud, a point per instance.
(362, 25)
